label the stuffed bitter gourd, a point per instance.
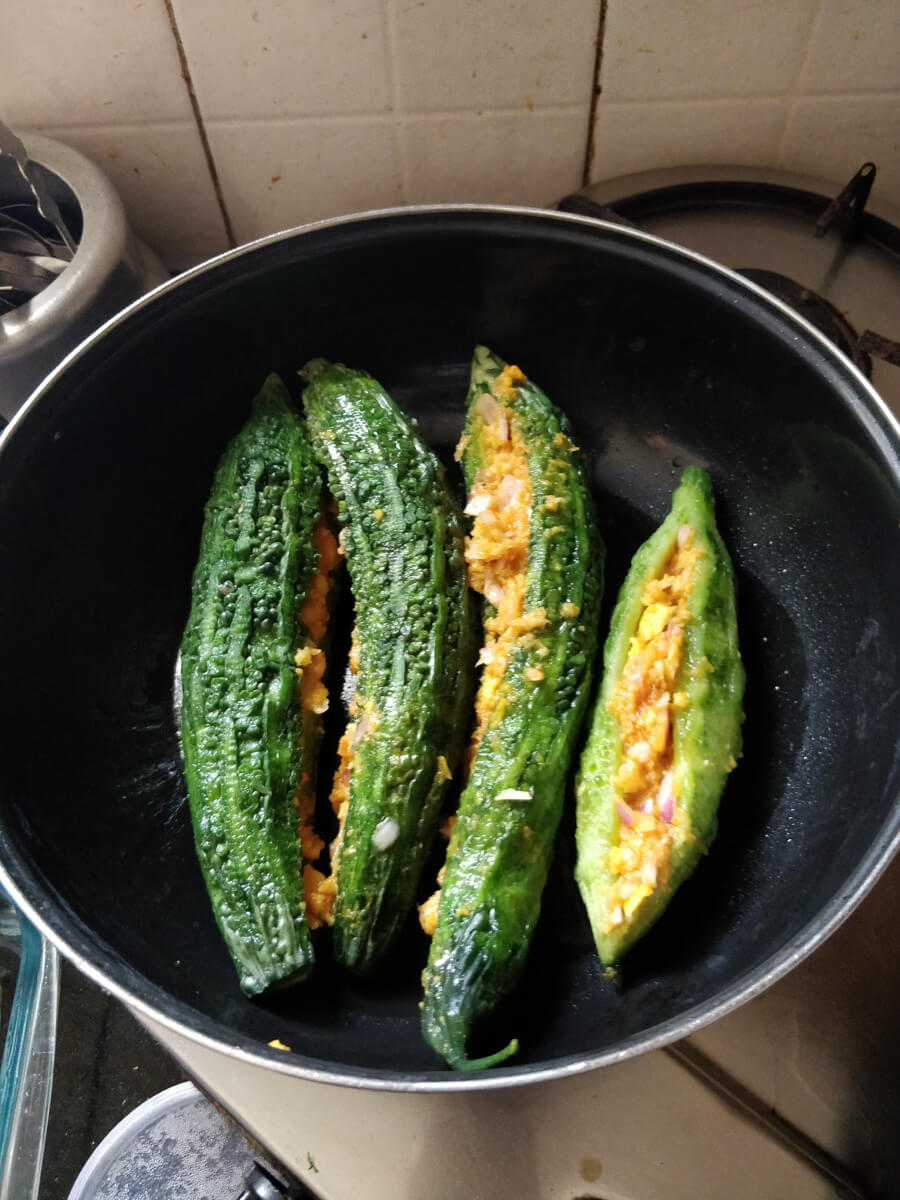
(667, 726)
(412, 654)
(536, 556)
(252, 692)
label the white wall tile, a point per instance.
(638, 137)
(494, 158)
(161, 175)
(286, 58)
(91, 63)
(832, 137)
(495, 54)
(277, 174)
(855, 47)
(703, 48)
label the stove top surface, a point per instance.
(833, 253)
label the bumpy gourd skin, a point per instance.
(403, 540)
(241, 721)
(706, 731)
(500, 849)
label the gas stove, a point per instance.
(791, 1096)
(830, 252)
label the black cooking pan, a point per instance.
(661, 360)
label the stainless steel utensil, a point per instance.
(24, 273)
(46, 204)
(110, 267)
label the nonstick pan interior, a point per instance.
(660, 360)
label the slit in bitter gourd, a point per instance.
(412, 655)
(667, 725)
(535, 554)
(251, 668)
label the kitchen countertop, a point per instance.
(106, 1064)
(818, 1051)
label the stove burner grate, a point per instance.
(786, 224)
(816, 309)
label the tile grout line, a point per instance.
(792, 92)
(443, 114)
(596, 88)
(812, 30)
(789, 102)
(399, 125)
(198, 120)
(742, 98)
(751, 1108)
(399, 113)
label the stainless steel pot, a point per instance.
(661, 358)
(110, 268)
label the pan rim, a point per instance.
(626, 233)
(250, 1052)
(881, 425)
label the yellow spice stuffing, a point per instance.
(497, 548)
(321, 889)
(643, 704)
(310, 664)
(496, 555)
(428, 913)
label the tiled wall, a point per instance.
(221, 120)
(808, 85)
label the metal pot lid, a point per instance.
(831, 251)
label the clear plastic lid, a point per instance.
(26, 1071)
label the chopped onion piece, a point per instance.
(626, 816)
(666, 798)
(508, 490)
(513, 795)
(487, 408)
(386, 833)
(485, 655)
(477, 504)
(494, 594)
(503, 434)
(361, 729)
(684, 533)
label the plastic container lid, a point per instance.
(174, 1146)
